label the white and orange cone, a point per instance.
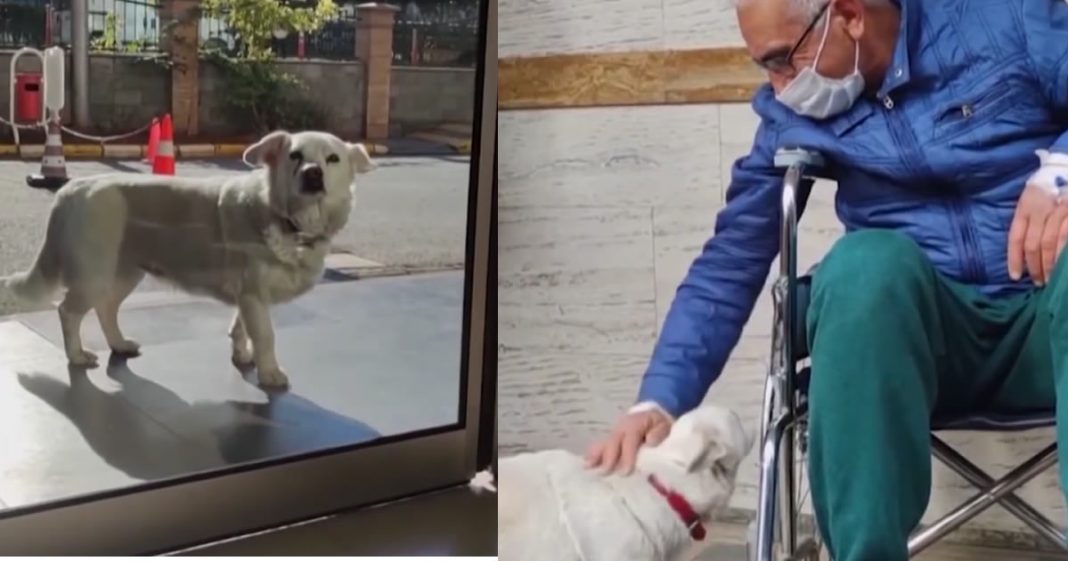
(53, 164)
(163, 164)
(153, 142)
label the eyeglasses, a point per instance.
(784, 64)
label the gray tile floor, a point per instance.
(459, 523)
(365, 358)
(453, 523)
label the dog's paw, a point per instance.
(83, 358)
(273, 378)
(241, 356)
(127, 348)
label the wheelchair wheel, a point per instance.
(808, 550)
(809, 546)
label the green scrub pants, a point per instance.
(892, 343)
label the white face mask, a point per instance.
(813, 95)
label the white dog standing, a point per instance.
(250, 241)
(552, 508)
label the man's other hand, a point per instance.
(1038, 233)
(632, 430)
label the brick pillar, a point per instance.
(181, 42)
(374, 46)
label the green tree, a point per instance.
(265, 98)
(109, 38)
(254, 21)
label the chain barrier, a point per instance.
(83, 136)
(103, 139)
(24, 127)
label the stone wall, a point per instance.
(127, 91)
(334, 87)
(422, 97)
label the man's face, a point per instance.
(772, 30)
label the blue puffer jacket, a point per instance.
(941, 153)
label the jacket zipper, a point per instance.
(958, 214)
(973, 269)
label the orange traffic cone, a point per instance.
(53, 165)
(163, 163)
(153, 142)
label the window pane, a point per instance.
(276, 293)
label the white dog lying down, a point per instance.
(251, 240)
(551, 508)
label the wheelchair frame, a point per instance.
(783, 420)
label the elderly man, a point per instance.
(946, 293)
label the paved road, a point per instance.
(411, 212)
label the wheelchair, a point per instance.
(776, 532)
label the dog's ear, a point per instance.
(706, 438)
(361, 160)
(684, 446)
(730, 441)
(268, 150)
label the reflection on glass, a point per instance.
(234, 315)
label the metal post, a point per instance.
(50, 19)
(80, 61)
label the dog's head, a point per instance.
(306, 168)
(702, 454)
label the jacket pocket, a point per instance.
(968, 112)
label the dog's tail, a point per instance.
(42, 280)
(31, 285)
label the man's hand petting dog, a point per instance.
(550, 506)
(620, 449)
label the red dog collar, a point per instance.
(682, 507)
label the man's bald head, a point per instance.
(773, 28)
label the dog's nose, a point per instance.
(313, 179)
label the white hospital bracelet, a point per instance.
(647, 406)
(1052, 174)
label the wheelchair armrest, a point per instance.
(810, 165)
(799, 166)
(786, 157)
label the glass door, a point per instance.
(192, 435)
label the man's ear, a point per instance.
(268, 150)
(853, 11)
(361, 160)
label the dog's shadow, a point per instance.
(135, 426)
